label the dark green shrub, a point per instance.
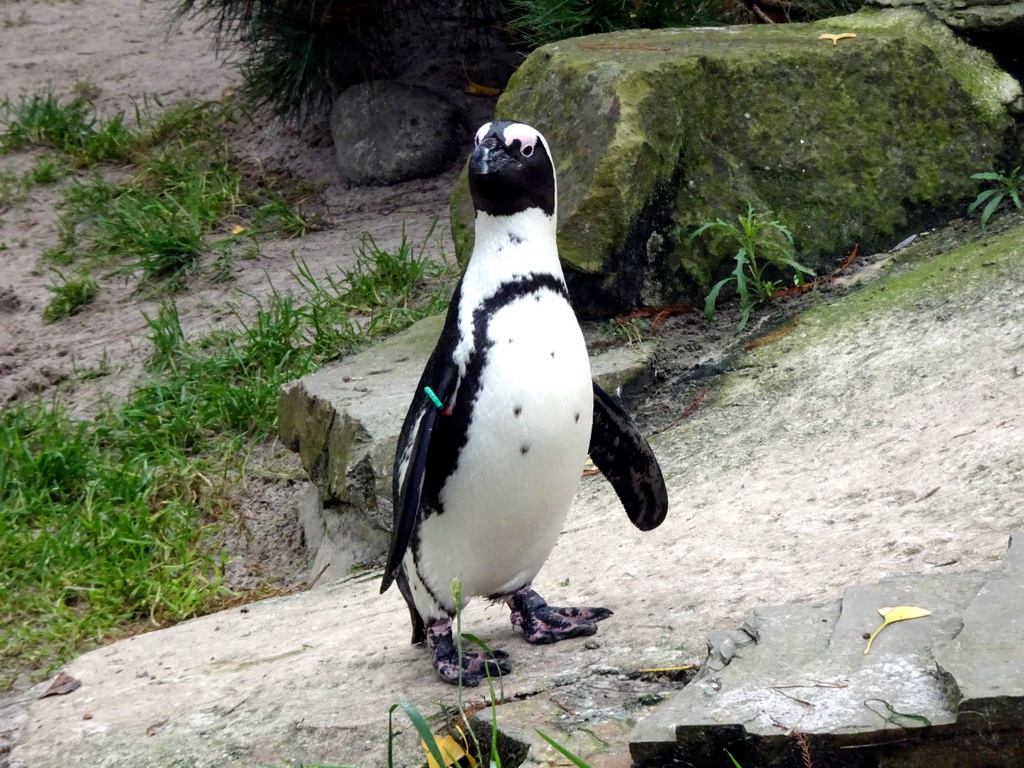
(298, 54)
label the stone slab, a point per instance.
(985, 661)
(802, 669)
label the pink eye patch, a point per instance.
(524, 134)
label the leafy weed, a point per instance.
(760, 244)
(1006, 185)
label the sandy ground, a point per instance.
(129, 51)
(125, 51)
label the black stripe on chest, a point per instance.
(452, 431)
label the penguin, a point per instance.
(493, 445)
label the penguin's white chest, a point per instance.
(507, 500)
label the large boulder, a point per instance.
(654, 132)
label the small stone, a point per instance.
(592, 645)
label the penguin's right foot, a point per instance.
(543, 623)
(475, 665)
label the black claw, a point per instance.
(543, 623)
(475, 666)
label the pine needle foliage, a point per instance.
(296, 56)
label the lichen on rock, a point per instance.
(655, 132)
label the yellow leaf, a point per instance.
(836, 38)
(475, 89)
(900, 613)
(237, 229)
(453, 752)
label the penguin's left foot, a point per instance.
(543, 623)
(475, 665)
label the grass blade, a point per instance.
(574, 759)
(422, 729)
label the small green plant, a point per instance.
(13, 187)
(69, 296)
(761, 244)
(1006, 185)
(631, 330)
(47, 170)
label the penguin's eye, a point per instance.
(527, 150)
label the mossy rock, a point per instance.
(655, 132)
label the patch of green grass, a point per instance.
(163, 233)
(156, 220)
(110, 521)
(94, 536)
(69, 296)
(284, 212)
(1006, 185)
(47, 170)
(15, 187)
(761, 245)
(160, 217)
(384, 293)
(41, 120)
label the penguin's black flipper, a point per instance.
(441, 376)
(417, 433)
(626, 459)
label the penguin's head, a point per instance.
(511, 170)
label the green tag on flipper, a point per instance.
(433, 398)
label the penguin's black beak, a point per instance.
(489, 157)
(478, 161)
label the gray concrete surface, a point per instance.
(882, 437)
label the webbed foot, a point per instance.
(476, 665)
(543, 623)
